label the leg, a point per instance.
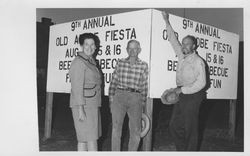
(80, 128)
(191, 115)
(82, 146)
(92, 145)
(176, 127)
(135, 115)
(118, 113)
(191, 131)
(92, 134)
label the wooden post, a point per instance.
(147, 140)
(48, 116)
(232, 119)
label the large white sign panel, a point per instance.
(217, 47)
(114, 32)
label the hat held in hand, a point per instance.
(145, 123)
(169, 96)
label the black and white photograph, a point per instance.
(91, 77)
(178, 78)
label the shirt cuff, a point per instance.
(184, 90)
(188, 90)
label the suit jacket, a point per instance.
(85, 82)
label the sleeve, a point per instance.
(114, 81)
(145, 83)
(77, 73)
(200, 80)
(174, 42)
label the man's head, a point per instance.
(133, 48)
(189, 44)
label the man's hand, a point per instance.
(111, 99)
(82, 113)
(143, 107)
(166, 17)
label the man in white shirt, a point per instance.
(191, 81)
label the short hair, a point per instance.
(130, 41)
(194, 40)
(84, 36)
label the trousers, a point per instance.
(130, 103)
(183, 126)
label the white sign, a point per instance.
(114, 31)
(217, 47)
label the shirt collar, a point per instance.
(136, 61)
(190, 56)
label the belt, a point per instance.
(130, 90)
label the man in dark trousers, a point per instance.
(190, 80)
(127, 94)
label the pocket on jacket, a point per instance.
(89, 92)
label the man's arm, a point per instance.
(113, 83)
(171, 36)
(145, 85)
(200, 80)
